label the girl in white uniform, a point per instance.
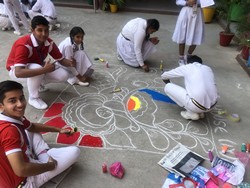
(189, 29)
(72, 47)
(134, 44)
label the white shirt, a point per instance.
(135, 31)
(46, 7)
(184, 2)
(67, 48)
(3, 9)
(199, 82)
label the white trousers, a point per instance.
(83, 64)
(12, 7)
(5, 22)
(65, 157)
(32, 14)
(180, 96)
(33, 83)
(125, 49)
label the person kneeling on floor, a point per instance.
(200, 92)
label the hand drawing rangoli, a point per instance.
(140, 117)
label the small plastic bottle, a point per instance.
(107, 64)
(104, 167)
(243, 147)
(248, 148)
(161, 66)
(210, 155)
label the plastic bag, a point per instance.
(117, 170)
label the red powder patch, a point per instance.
(54, 110)
(65, 139)
(131, 104)
(56, 122)
(91, 141)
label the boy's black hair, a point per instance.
(39, 20)
(73, 32)
(194, 58)
(1, 1)
(153, 24)
(7, 86)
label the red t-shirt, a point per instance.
(25, 50)
(11, 141)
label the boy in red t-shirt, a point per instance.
(25, 157)
(26, 61)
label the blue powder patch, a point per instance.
(158, 96)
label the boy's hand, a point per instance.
(145, 68)
(51, 160)
(48, 66)
(154, 40)
(69, 131)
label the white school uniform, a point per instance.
(83, 63)
(25, 8)
(199, 85)
(12, 7)
(189, 27)
(44, 8)
(132, 46)
(4, 18)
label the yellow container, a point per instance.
(208, 14)
(113, 8)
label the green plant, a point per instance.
(223, 11)
(243, 26)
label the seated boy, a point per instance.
(26, 160)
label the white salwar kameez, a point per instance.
(189, 27)
(83, 63)
(4, 18)
(199, 85)
(132, 45)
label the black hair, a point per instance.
(39, 20)
(73, 32)
(194, 58)
(153, 24)
(7, 86)
(1, 1)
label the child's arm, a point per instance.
(38, 127)
(24, 169)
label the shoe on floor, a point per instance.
(38, 103)
(82, 83)
(42, 88)
(189, 115)
(201, 115)
(17, 33)
(181, 62)
(119, 57)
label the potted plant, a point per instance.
(243, 30)
(223, 10)
(114, 4)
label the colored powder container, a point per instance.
(243, 147)
(104, 167)
(248, 147)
